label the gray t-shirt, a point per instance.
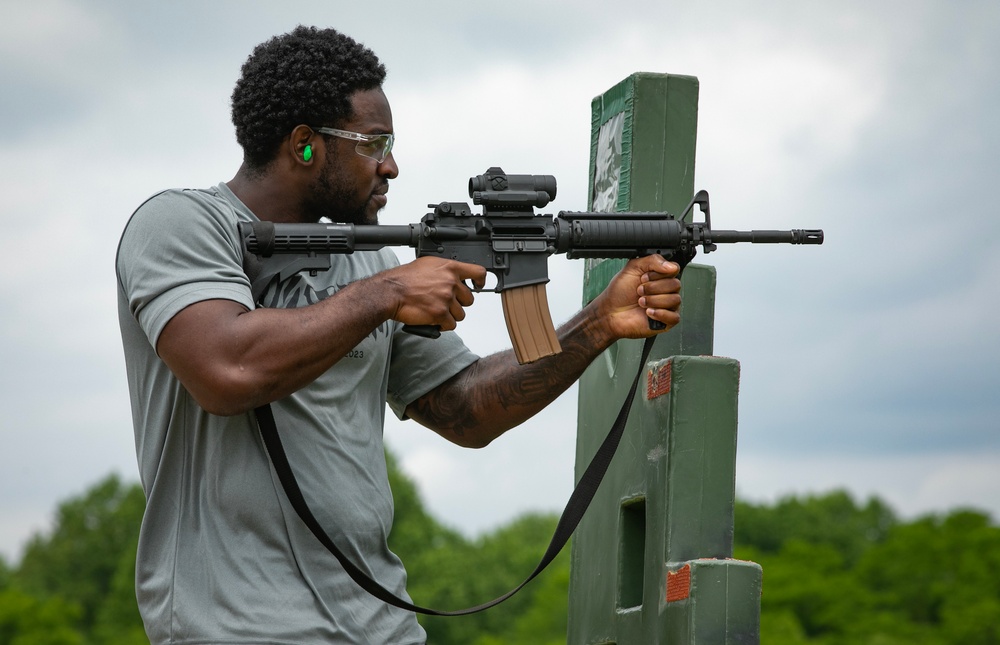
(223, 558)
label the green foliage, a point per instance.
(943, 573)
(447, 571)
(833, 519)
(27, 620)
(544, 621)
(89, 560)
(480, 571)
(840, 574)
(835, 573)
(5, 574)
(822, 600)
(118, 621)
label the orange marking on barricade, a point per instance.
(658, 380)
(679, 584)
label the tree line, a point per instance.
(836, 572)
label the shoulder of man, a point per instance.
(176, 208)
(196, 216)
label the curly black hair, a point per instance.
(305, 76)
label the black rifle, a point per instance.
(508, 239)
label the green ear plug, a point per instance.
(307, 153)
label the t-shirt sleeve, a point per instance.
(419, 365)
(179, 248)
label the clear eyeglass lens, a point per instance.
(376, 146)
(373, 148)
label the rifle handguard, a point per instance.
(529, 323)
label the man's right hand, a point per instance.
(432, 291)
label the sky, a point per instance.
(869, 364)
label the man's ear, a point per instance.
(303, 144)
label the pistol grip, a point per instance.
(529, 323)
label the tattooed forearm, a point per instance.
(496, 393)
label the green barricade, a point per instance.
(651, 561)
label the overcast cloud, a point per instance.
(869, 363)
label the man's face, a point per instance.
(351, 188)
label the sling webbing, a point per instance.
(575, 508)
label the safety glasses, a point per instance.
(374, 146)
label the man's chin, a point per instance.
(370, 215)
(369, 219)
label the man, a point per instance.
(222, 556)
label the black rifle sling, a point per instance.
(568, 521)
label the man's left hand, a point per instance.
(646, 288)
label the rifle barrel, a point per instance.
(794, 236)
